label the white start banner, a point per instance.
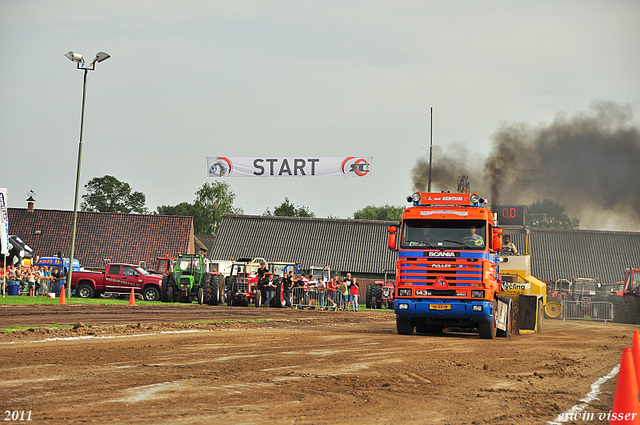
(345, 166)
(4, 223)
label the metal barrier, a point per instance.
(312, 298)
(587, 310)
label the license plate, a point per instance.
(439, 307)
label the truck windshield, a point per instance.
(443, 234)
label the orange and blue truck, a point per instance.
(448, 269)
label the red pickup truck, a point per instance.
(117, 279)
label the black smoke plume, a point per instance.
(588, 162)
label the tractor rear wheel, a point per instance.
(553, 308)
(278, 299)
(217, 289)
(200, 296)
(376, 296)
(230, 287)
(163, 289)
(619, 308)
(633, 309)
(207, 290)
(368, 295)
(170, 294)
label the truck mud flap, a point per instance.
(527, 314)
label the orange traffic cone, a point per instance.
(635, 352)
(132, 298)
(63, 296)
(626, 402)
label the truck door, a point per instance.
(112, 281)
(132, 278)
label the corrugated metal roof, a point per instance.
(557, 253)
(360, 246)
(345, 245)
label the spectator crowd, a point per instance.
(304, 291)
(33, 280)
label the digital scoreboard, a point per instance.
(510, 215)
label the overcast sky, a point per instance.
(192, 79)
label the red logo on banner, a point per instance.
(358, 166)
(440, 283)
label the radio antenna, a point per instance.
(430, 151)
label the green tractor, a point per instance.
(190, 281)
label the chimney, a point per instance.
(30, 201)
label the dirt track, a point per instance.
(289, 366)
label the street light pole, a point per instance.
(77, 57)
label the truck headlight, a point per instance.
(403, 306)
(477, 308)
(404, 292)
(477, 294)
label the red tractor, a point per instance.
(627, 306)
(242, 285)
(381, 294)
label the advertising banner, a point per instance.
(346, 166)
(4, 223)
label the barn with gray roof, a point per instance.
(360, 246)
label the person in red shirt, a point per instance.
(353, 290)
(332, 287)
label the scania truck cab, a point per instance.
(448, 267)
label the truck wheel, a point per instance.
(553, 308)
(170, 294)
(151, 293)
(633, 309)
(404, 326)
(85, 291)
(488, 330)
(619, 308)
(376, 295)
(200, 296)
(499, 332)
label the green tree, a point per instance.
(385, 213)
(288, 209)
(549, 214)
(108, 194)
(213, 200)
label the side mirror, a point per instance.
(497, 239)
(392, 240)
